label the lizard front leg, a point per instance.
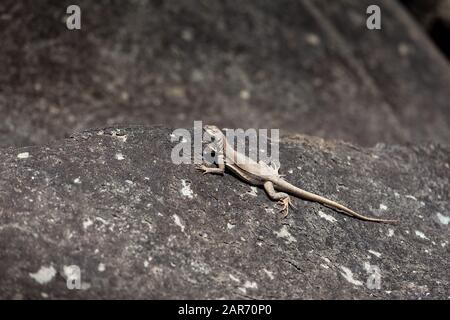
(218, 147)
(219, 170)
(281, 197)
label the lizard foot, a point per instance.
(285, 203)
(203, 168)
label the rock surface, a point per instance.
(306, 66)
(112, 203)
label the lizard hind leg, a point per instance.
(283, 198)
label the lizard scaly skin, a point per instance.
(261, 174)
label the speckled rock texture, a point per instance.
(112, 203)
(305, 66)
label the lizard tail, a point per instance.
(289, 188)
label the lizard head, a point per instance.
(212, 130)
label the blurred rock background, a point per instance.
(307, 67)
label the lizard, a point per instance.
(261, 174)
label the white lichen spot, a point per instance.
(186, 189)
(122, 137)
(157, 271)
(284, 233)
(87, 223)
(250, 285)
(178, 222)
(383, 207)
(101, 220)
(326, 217)
(243, 290)
(326, 259)
(375, 253)
(269, 274)
(348, 275)
(404, 49)
(44, 274)
(187, 35)
(324, 266)
(421, 235)
(390, 232)
(101, 267)
(200, 267)
(71, 272)
(253, 191)
(234, 278)
(444, 244)
(290, 171)
(269, 210)
(443, 219)
(375, 276)
(244, 94)
(230, 226)
(124, 95)
(146, 263)
(176, 92)
(23, 155)
(312, 39)
(197, 76)
(77, 181)
(119, 156)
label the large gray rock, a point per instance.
(112, 203)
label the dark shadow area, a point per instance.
(440, 33)
(434, 15)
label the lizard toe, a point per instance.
(202, 168)
(284, 203)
